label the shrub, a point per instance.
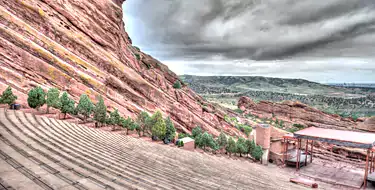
(227, 119)
(158, 125)
(67, 104)
(180, 143)
(100, 111)
(137, 56)
(7, 97)
(247, 130)
(298, 126)
(231, 146)
(53, 99)
(177, 84)
(238, 111)
(196, 131)
(36, 98)
(182, 135)
(85, 106)
(171, 131)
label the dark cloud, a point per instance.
(249, 30)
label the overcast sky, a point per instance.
(323, 41)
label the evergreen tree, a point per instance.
(126, 124)
(197, 141)
(171, 131)
(143, 120)
(196, 131)
(67, 104)
(7, 97)
(177, 84)
(222, 140)
(214, 146)
(158, 125)
(114, 118)
(257, 153)
(85, 107)
(231, 146)
(100, 113)
(36, 98)
(53, 99)
(206, 140)
(241, 146)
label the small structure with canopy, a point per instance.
(350, 139)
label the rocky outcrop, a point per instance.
(82, 47)
(296, 113)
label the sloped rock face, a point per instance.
(296, 113)
(82, 47)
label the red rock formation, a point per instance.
(82, 47)
(295, 113)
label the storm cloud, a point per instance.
(249, 35)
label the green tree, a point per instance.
(114, 118)
(67, 104)
(7, 97)
(206, 140)
(53, 99)
(231, 146)
(143, 120)
(214, 146)
(196, 131)
(222, 140)
(257, 153)
(100, 113)
(247, 130)
(126, 124)
(36, 98)
(85, 107)
(177, 84)
(171, 131)
(158, 125)
(250, 145)
(241, 146)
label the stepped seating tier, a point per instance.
(44, 153)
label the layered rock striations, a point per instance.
(82, 47)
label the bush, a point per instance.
(53, 99)
(137, 56)
(196, 131)
(7, 97)
(171, 131)
(36, 98)
(180, 143)
(100, 113)
(247, 130)
(158, 125)
(182, 135)
(67, 104)
(177, 84)
(298, 126)
(238, 111)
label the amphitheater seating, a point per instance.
(43, 153)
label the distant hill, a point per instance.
(226, 91)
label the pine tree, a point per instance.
(100, 113)
(85, 107)
(36, 98)
(206, 140)
(126, 124)
(257, 153)
(114, 118)
(8, 97)
(171, 131)
(158, 125)
(196, 131)
(241, 146)
(143, 120)
(222, 140)
(231, 146)
(67, 104)
(53, 99)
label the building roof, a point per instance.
(338, 137)
(186, 139)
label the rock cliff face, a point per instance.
(297, 113)
(82, 47)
